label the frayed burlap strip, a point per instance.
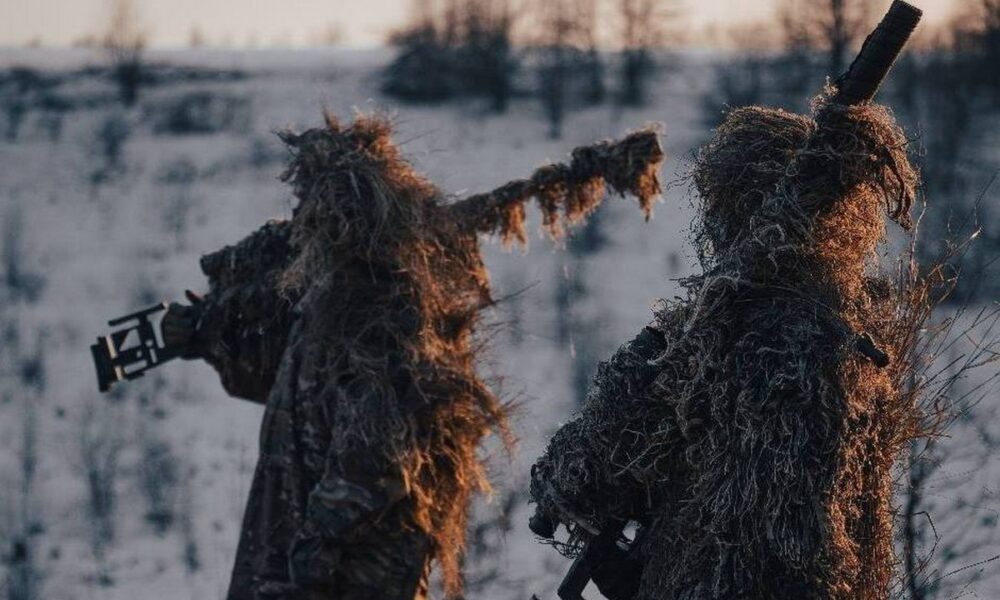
(398, 277)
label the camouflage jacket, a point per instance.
(308, 531)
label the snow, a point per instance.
(104, 247)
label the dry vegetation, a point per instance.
(761, 459)
(398, 277)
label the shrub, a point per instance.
(200, 113)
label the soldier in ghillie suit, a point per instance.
(751, 429)
(353, 323)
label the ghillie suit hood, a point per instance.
(393, 283)
(756, 441)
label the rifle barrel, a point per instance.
(862, 80)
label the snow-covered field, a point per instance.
(107, 210)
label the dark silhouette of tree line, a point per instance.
(565, 53)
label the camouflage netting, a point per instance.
(631, 166)
(751, 429)
(397, 275)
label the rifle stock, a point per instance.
(114, 361)
(595, 549)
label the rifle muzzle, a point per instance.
(865, 75)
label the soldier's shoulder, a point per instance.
(631, 367)
(650, 342)
(647, 345)
(266, 248)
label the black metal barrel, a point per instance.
(862, 80)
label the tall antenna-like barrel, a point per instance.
(862, 80)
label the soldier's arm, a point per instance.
(583, 467)
(241, 325)
(245, 347)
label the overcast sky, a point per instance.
(291, 22)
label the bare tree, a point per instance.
(331, 34)
(487, 537)
(594, 89)
(158, 477)
(485, 54)
(834, 26)
(24, 577)
(20, 282)
(21, 520)
(979, 35)
(100, 446)
(456, 48)
(582, 335)
(991, 11)
(196, 38)
(125, 42)
(642, 32)
(570, 71)
(558, 32)
(744, 79)
(191, 556)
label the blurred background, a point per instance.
(137, 135)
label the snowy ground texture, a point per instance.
(139, 494)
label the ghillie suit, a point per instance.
(752, 428)
(353, 322)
